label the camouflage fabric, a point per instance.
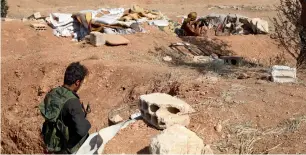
(55, 133)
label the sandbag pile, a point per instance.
(236, 24)
(112, 20)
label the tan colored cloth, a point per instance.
(136, 12)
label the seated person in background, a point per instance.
(192, 26)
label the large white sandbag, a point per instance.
(259, 25)
(60, 19)
(95, 143)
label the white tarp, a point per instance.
(62, 24)
(95, 143)
(159, 22)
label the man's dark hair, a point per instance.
(75, 71)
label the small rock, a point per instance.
(243, 76)
(261, 82)
(202, 59)
(207, 150)
(203, 93)
(214, 56)
(7, 19)
(116, 119)
(40, 91)
(167, 58)
(218, 127)
(37, 15)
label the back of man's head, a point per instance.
(74, 72)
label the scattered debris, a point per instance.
(232, 60)
(242, 7)
(105, 20)
(235, 24)
(97, 39)
(243, 76)
(39, 27)
(163, 110)
(167, 58)
(116, 119)
(202, 59)
(283, 74)
(176, 139)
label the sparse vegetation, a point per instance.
(244, 136)
(4, 8)
(287, 27)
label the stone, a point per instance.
(116, 119)
(243, 76)
(202, 59)
(218, 127)
(167, 58)
(163, 110)
(37, 15)
(176, 139)
(97, 39)
(283, 74)
(207, 150)
(261, 82)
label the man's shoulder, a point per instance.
(61, 92)
(73, 103)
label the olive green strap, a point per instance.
(78, 145)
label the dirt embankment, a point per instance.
(267, 117)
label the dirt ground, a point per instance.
(257, 116)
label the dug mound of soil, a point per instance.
(257, 116)
(133, 139)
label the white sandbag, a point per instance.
(64, 31)
(95, 143)
(60, 19)
(107, 19)
(159, 22)
(113, 10)
(259, 25)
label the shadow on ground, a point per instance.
(202, 46)
(144, 151)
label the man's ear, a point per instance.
(78, 83)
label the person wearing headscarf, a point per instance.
(191, 26)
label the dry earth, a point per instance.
(257, 116)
